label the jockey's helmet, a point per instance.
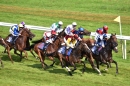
(23, 23)
(75, 36)
(105, 28)
(20, 26)
(60, 23)
(74, 23)
(53, 32)
(81, 29)
(100, 31)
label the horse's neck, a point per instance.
(77, 51)
(108, 46)
(56, 44)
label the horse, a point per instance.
(3, 43)
(105, 55)
(50, 51)
(76, 55)
(21, 42)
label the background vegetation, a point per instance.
(90, 14)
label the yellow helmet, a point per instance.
(20, 26)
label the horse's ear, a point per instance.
(111, 34)
(115, 33)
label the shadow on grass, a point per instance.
(50, 69)
(15, 58)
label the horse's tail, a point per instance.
(31, 46)
(37, 41)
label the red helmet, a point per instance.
(75, 36)
(100, 31)
(53, 32)
(105, 27)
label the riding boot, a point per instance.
(13, 39)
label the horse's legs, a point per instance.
(41, 60)
(2, 65)
(26, 54)
(33, 54)
(61, 60)
(8, 52)
(84, 66)
(73, 64)
(52, 59)
(116, 66)
(15, 52)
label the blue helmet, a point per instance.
(81, 29)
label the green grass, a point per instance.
(90, 14)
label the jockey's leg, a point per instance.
(14, 38)
(45, 46)
(94, 50)
(66, 53)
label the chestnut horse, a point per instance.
(51, 50)
(21, 42)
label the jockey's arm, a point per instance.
(16, 32)
(49, 41)
(67, 42)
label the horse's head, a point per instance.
(86, 32)
(27, 32)
(89, 42)
(113, 42)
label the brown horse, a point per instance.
(76, 55)
(21, 42)
(3, 43)
(51, 50)
(105, 55)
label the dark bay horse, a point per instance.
(105, 55)
(3, 43)
(76, 55)
(21, 42)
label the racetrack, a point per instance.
(90, 14)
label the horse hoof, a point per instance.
(70, 73)
(106, 69)
(100, 74)
(52, 65)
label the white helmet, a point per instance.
(60, 23)
(20, 25)
(74, 23)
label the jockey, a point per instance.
(57, 27)
(14, 30)
(101, 36)
(71, 38)
(49, 38)
(70, 29)
(79, 32)
(23, 23)
(70, 42)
